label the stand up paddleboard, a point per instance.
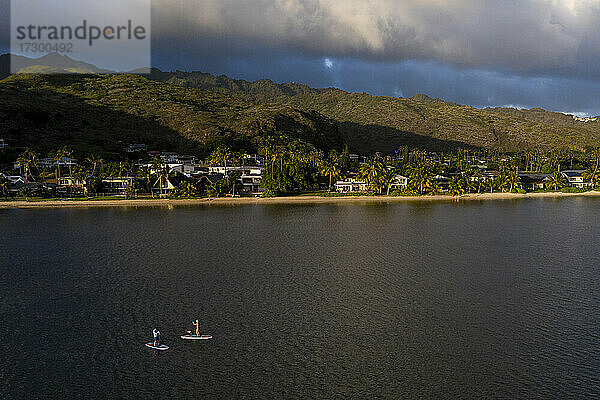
(159, 347)
(194, 337)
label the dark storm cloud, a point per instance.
(524, 36)
(500, 52)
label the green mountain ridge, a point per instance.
(378, 123)
(195, 110)
(98, 113)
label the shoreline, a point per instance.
(283, 200)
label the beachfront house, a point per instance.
(117, 186)
(70, 185)
(575, 178)
(22, 186)
(251, 180)
(441, 181)
(351, 185)
(184, 169)
(166, 184)
(533, 181)
(15, 182)
(400, 182)
(484, 176)
(358, 159)
(202, 179)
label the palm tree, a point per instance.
(331, 166)
(556, 181)
(128, 168)
(94, 160)
(162, 174)
(266, 147)
(155, 166)
(371, 171)
(57, 157)
(222, 154)
(67, 153)
(388, 177)
(592, 174)
(421, 176)
(4, 186)
(147, 172)
(27, 159)
(456, 186)
(81, 175)
(131, 191)
(187, 190)
(513, 181)
(232, 181)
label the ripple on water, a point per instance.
(421, 300)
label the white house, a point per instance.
(251, 183)
(351, 185)
(117, 185)
(400, 182)
(243, 170)
(575, 178)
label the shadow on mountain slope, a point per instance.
(44, 119)
(367, 139)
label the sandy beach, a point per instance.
(282, 200)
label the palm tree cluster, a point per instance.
(421, 176)
(292, 165)
(186, 190)
(377, 174)
(93, 169)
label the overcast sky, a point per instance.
(524, 53)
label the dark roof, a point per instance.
(532, 177)
(573, 173)
(211, 178)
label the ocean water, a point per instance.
(495, 299)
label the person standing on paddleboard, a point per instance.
(156, 334)
(197, 325)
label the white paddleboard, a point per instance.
(159, 347)
(194, 337)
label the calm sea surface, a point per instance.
(497, 299)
